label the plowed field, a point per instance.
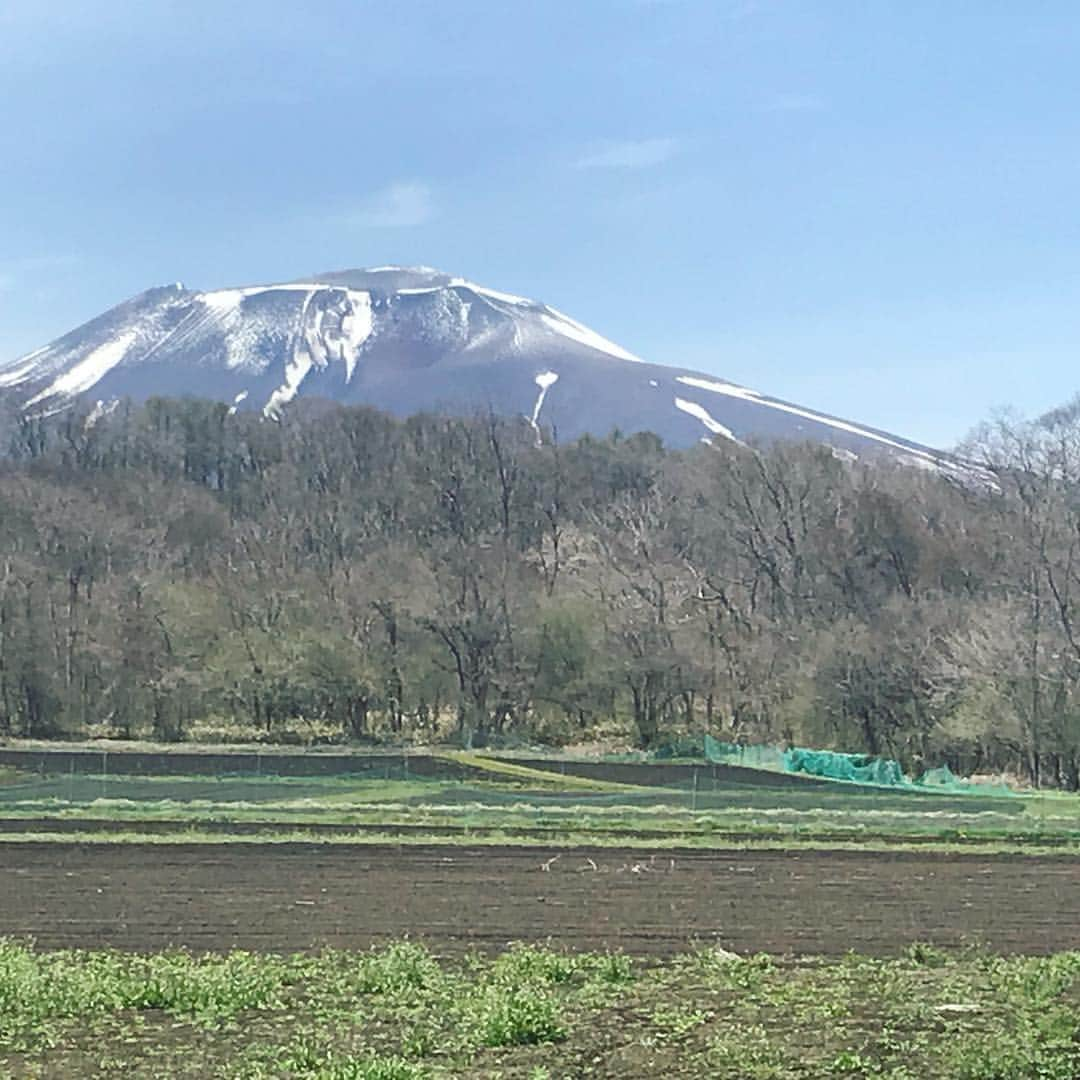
(283, 897)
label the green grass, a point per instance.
(567, 840)
(38, 990)
(659, 833)
(509, 807)
(502, 769)
(403, 1013)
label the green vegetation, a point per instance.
(176, 573)
(560, 811)
(531, 1012)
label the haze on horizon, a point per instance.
(869, 210)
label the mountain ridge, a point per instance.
(410, 339)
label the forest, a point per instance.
(180, 571)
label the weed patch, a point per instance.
(403, 1013)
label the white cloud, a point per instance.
(631, 154)
(401, 205)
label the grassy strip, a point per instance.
(202, 834)
(402, 1013)
(491, 800)
(508, 770)
(616, 831)
(502, 810)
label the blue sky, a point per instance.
(871, 208)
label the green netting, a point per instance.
(752, 757)
(833, 765)
(856, 768)
(942, 777)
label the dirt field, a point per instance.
(279, 761)
(285, 897)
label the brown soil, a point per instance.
(285, 897)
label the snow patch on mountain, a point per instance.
(403, 270)
(357, 323)
(100, 409)
(692, 408)
(493, 294)
(545, 380)
(562, 324)
(223, 301)
(296, 371)
(720, 387)
(19, 372)
(333, 324)
(840, 425)
(88, 371)
(471, 286)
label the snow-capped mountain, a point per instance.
(407, 340)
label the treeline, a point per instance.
(173, 571)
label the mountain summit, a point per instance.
(407, 339)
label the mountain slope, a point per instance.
(406, 340)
